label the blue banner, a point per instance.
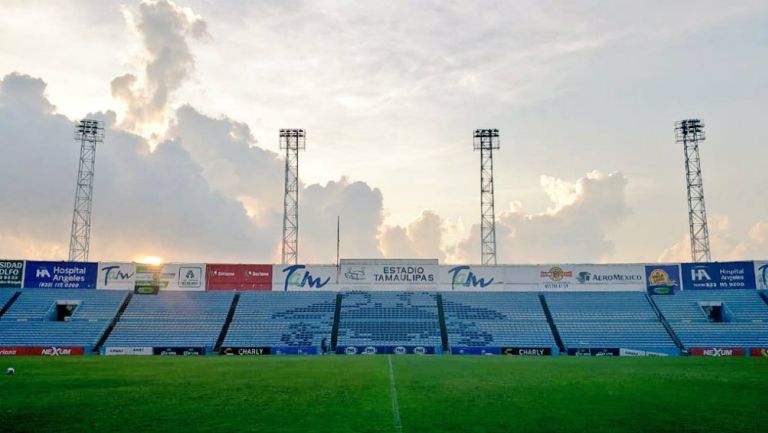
(711, 276)
(469, 350)
(393, 350)
(60, 275)
(662, 279)
(288, 350)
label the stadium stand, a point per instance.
(5, 297)
(59, 317)
(282, 321)
(615, 320)
(716, 318)
(172, 319)
(389, 320)
(495, 320)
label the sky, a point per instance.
(585, 95)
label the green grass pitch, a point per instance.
(355, 394)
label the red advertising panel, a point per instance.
(717, 351)
(759, 352)
(41, 351)
(239, 277)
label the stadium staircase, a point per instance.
(441, 318)
(764, 296)
(336, 319)
(227, 322)
(111, 327)
(555, 333)
(10, 300)
(666, 324)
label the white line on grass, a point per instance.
(393, 391)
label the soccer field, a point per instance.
(365, 394)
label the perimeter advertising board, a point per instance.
(304, 277)
(60, 275)
(521, 278)
(575, 278)
(41, 351)
(761, 275)
(171, 277)
(11, 273)
(388, 276)
(710, 276)
(238, 277)
(116, 276)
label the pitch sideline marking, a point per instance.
(393, 391)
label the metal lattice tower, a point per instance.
(486, 140)
(292, 140)
(88, 133)
(690, 132)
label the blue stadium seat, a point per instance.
(30, 321)
(172, 319)
(747, 312)
(496, 319)
(282, 319)
(608, 320)
(389, 319)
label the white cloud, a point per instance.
(724, 244)
(165, 30)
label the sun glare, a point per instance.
(150, 260)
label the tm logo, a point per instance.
(700, 274)
(466, 280)
(115, 274)
(296, 278)
(764, 276)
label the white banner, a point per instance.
(580, 278)
(761, 275)
(465, 278)
(304, 277)
(116, 276)
(128, 351)
(389, 276)
(172, 276)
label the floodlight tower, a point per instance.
(292, 140)
(690, 132)
(486, 140)
(88, 133)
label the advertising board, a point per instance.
(471, 278)
(11, 273)
(304, 277)
(662, 279)
(583, 278)
(245, 351)
(128, 351)
(718, 275)
(42, 351)
(386, 276)
(179, 351)
(60, 275)
(116, 276)
(761, 275)
(171, 277)
(716, 351)
(393, 350)
(526, 351)
(238, 277)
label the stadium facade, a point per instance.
(383, 306)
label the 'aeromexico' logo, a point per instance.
(468, 279)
